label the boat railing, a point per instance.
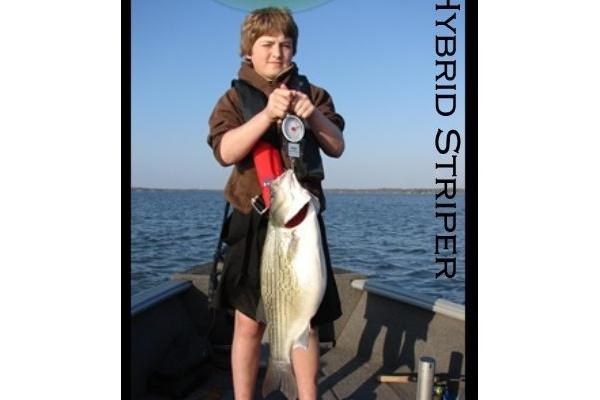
(441, 306)
(157, 294)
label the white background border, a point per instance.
(538, 219)
(60, 208)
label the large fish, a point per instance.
(293, 277)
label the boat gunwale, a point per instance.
(157, 294)
(439, 306)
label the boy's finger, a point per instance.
(283, 93)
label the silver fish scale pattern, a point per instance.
(280, 287)
(281, 282)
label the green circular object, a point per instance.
(438, 390)
(294, 5)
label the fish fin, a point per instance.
(279, 376)
(302, 340)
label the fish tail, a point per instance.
(279, 376)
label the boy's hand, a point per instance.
(279, 102)
(301, 105)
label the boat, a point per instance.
(180, 347)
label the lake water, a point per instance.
(388, 236)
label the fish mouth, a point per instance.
(297, 218)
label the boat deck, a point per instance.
(342, 376)
(377, 335)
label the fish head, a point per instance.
(288, 197)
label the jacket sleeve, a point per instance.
(323, 101)
(225, 116)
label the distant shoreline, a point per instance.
(381, 190)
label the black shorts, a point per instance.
(240, 283)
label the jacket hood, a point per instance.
(266, 86)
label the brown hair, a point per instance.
(265, 21)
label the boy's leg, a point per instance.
(245, 355)
(306, 367)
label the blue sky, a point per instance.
(376, 58)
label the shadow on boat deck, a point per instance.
(379, 340)
(386, 346)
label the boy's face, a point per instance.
(271, 54)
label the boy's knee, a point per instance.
(247, 327)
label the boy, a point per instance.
(268, 88)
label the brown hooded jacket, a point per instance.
(227, 114)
